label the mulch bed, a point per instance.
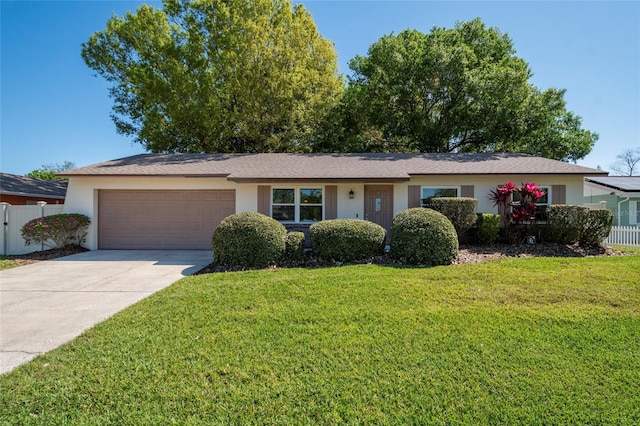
(37, 256)
(467, 254)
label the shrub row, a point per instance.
(252, 240)
(421, 236)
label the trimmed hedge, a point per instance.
(461, 211)
(249, 240)
(422, 236)
(294, 247)
(487, 228)
(578, 224)
(597, 228)
(347, 240)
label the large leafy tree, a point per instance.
(217, 75)
(452, 90)
(50, 171)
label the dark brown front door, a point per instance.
(378, 205)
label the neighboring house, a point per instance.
(175, 201)
(621, 194)
(21, 190)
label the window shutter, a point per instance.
(559, 194)
(467, 191)
(414, 196)
(330, 202)
(264, 199)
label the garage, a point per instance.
(154, 219)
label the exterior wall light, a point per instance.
(351, 194)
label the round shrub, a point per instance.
(250, 240)
(421, 236)
(347, 240)
(294, 251)
(58, 230)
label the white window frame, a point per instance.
(634, 212)
(546, 189)
(423, 187)
(297, 202)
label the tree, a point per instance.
(628, 163)
(217, 76)
(49, 171)
(454, 90)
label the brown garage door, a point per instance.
(130, 219)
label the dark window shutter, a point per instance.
(331, 202)
(467, 191)
(559, 194)
(414, 196)
(264, 199)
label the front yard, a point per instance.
(514, 341)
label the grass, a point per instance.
(525, 341)
(6, 263)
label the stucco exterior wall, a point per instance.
(484, 184)
(82, 193)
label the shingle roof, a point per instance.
(24, 186)
(273, 167)
(621, 183)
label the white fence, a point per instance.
(13, 218)
(626, 236)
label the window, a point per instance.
(429, 192)
(543, 201)
(541, 204)
(296, 204)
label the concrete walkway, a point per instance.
(46, 304)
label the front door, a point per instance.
(378, 205)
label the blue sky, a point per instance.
(53, 109)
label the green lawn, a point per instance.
(6, 263)
(527, 341)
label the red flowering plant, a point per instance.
(58, 230)
(517, 206)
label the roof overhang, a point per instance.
(34, 195)
(317, 180)
(614, 190)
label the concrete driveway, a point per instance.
(46, 304)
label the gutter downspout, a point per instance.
(619, 203)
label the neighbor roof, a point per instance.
(327, 167)
(620, 183)
(27, 187)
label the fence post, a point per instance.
(42, 204)
(5, 227)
